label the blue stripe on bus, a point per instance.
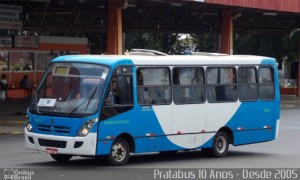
(123, 123)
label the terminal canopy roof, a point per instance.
(183, 16)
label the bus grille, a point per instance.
(54, 129)
(52, 143)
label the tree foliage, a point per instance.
(282, 46)
(157, 41)
(279, 46)
(97, 43)
(204, 42)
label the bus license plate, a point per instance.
(51, 151)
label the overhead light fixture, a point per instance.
(210, 14)
(237, 15)
(123, 4)
(63, 13)
(131, 5)
(176, 4)
(270, 14)
(47, 1)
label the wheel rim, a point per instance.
(221, 144)
(118, 152)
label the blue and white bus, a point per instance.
(114, 106)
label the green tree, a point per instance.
(97, 43)
(135, 40)
(204, 42)
(155, 40)
(279, 46)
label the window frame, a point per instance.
(208, 86)
(109, 87)
(262, 84)
(248, 84)
(154, 86)
(111, 110)
(189, 85)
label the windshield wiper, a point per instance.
(36, 103)
(88, 100)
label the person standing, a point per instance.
(4, 84)
(25, 84)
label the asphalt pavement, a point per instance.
(12, 113)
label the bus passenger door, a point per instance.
(154, 108)
(117, 113)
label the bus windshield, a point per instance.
(70, 89)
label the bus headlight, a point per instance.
(29, 127)
(85, 129)
(28, 124)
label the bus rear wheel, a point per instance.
(61, 157)
(119, 152)
(220, 145)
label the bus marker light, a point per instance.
(178, 132)
(149, 134)
(240, 128)
(267, 127)
(202, 131)
(110, 137)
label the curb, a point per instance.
(11, 133)
(7, 122)
(287, 105)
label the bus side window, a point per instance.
(120, 91)
(188, 85)
(119, 96)
(266, 83)
(247, 80)
(221, 84)
(154, 86)
(124, 90)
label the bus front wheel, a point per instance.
(119, 152)
(61, 157)
(220, 145)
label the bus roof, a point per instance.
(112, 60)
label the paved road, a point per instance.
(281, 153)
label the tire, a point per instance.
(119, 152)
(220, 146)
(61, 157)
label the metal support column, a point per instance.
(114, 28)
(298, 79)
(227, 32)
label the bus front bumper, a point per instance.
(85, 146)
